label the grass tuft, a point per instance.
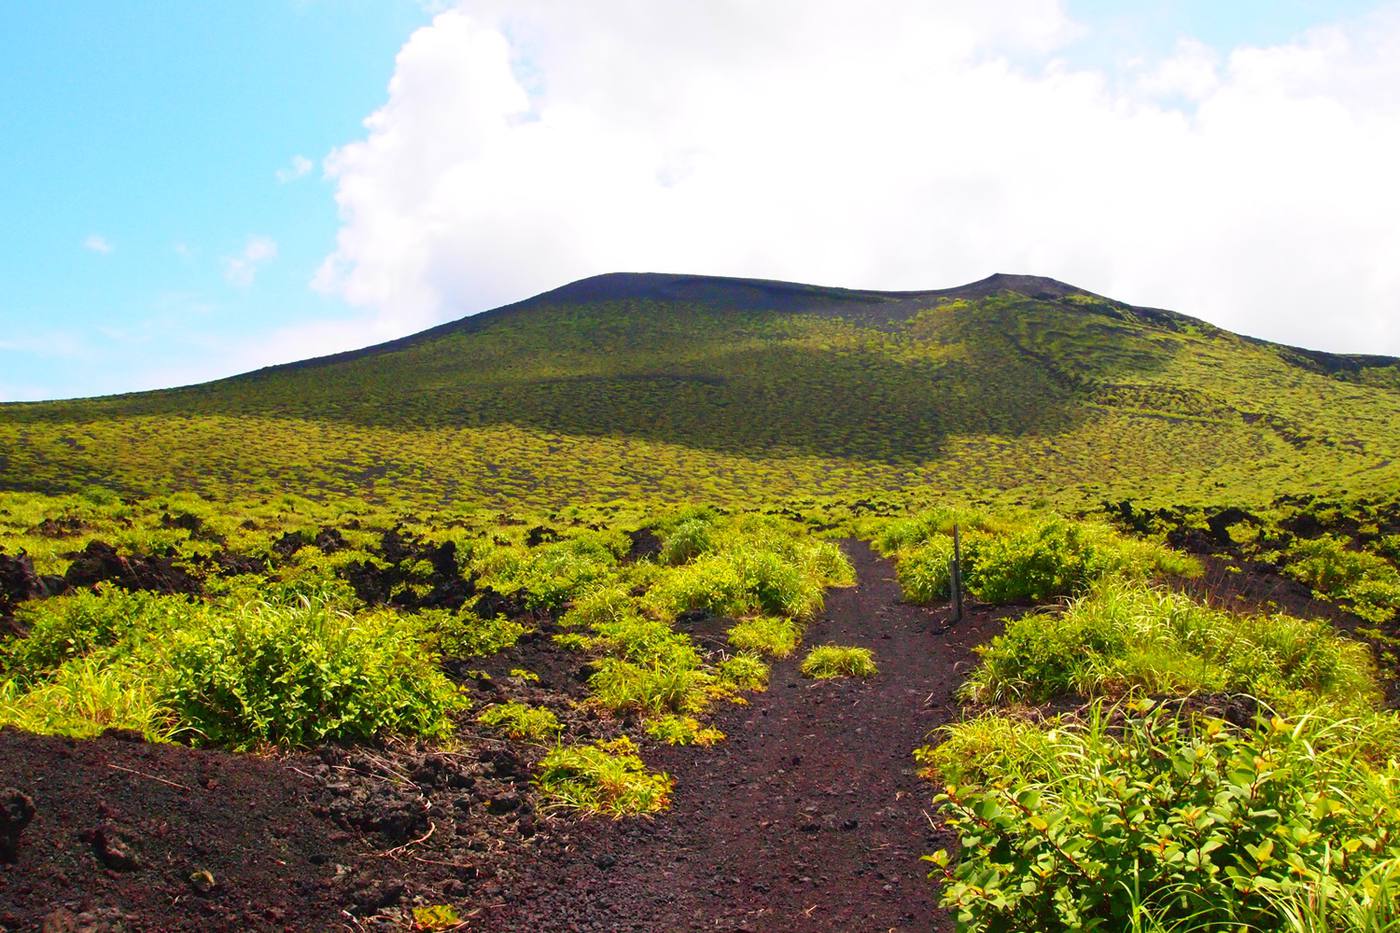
(829, 661)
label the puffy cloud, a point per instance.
(300, 167)
(97, 243)
(900, 145)
(242, 270)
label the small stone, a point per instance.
(112, 849)
(16, 811)
(503, 803)
(61, 920)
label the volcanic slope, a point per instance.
(672, 387)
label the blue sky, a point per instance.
(160, 128)
(159, 211)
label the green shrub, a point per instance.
(1369, 582)
(775, 637)
(829, 661)
(1031, 560)
(987, 748)
(687, 541)
(740, 580)
(905, 533)
(650, 688)
(744, 672)
(605, 777)
(1125, 637)
(550, 575)
(682, 730)
(296, 675)
(72, 626)
(521, 722)
(925, 572)
(1146, 818)
(464, 634)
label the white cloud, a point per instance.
(905, 145)
(299, 168)
(242, 270)
(97, 243)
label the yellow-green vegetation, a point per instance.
(296, 671)
(1142, 817)
(1018, 557)
(323, 621)
(724, 397)
(1218, 770)
(744, 672)
(519, 721)
(1267, 797)
(605, 777)
(682, 730)
(828, 661)
(768, 635)
(1125, 638)
(742, 567)
(1369, 583)
(436, 917)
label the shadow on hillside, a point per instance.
(861, 401)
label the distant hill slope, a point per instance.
(672, 386)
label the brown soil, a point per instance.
(808, 817)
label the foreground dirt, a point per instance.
(809, 817)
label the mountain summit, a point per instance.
(682, 385)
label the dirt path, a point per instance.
(810, 817)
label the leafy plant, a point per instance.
(303, 674)
(605, 777)
(1370, 583)
(682, 730)
(520, 721)
(1125, 637)
(1143, 814)
(770, 635)
(744, 672)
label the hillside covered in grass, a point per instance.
(671, 388)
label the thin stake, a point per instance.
(955, 577)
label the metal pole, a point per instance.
(955, 577)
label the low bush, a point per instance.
(1368, 582)
(72, 626)
(1125, 637)
(1034, 559)
(463, 634)
(827, 661)
(687, 541)
(548, 576)
(86, 696)
(682, 730)
(990, 747)
(744, 672)
(521, 722)
(775, 637)
(1143, 817)
(296, 675)
(605, 777)
(651, 688)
